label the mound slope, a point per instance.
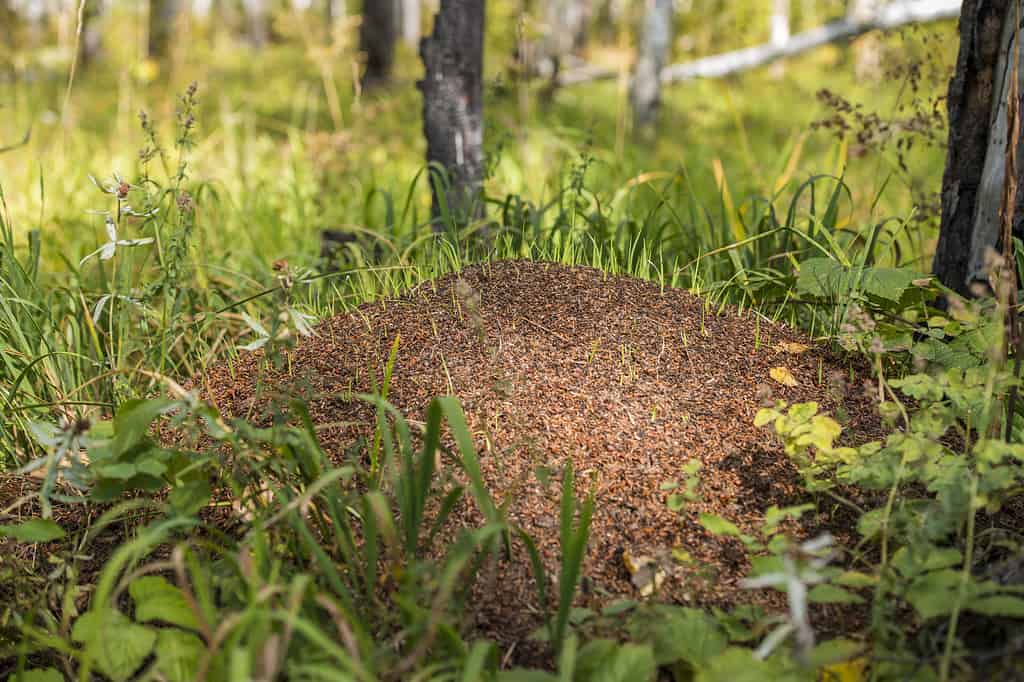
(556, 364)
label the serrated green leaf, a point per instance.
(888, 283)
(822, 278)
(117, 657)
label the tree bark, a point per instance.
(163, 15)
(978, 136)
(453, 110)
(377, 34)
(655, 40)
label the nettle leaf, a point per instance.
(117, 645)
(158, 600)
(822, 278)
(33, 530)
(178, 654)
(888, 283)
(679, 634)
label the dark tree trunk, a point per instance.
(377, 34)
(453, 108)
(655, 40)
(163, 15)
(975, 167)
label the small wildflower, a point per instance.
(185, 203)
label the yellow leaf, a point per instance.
(793, 348)
(783, 376)
(847, 671)
(147, 70)
(645, 573)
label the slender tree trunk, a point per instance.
(257, 18)
(163, 15)
(565, 20)
(453, 109)
(978, 136)
(655, 40)
(377, 35)
(411, 20)
(780, 30)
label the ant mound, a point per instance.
(627, 381)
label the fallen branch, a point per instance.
(887, 18)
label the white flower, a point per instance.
(107, 251)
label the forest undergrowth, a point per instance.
(322, 571)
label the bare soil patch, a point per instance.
(556, 364)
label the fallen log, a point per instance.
(887, 18)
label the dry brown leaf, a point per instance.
(645, 573)
(783, 376)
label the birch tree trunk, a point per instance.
(978, 137)
(655, 40)
(453, 109)
(411, 21)
(377, 34)
(256, 19)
